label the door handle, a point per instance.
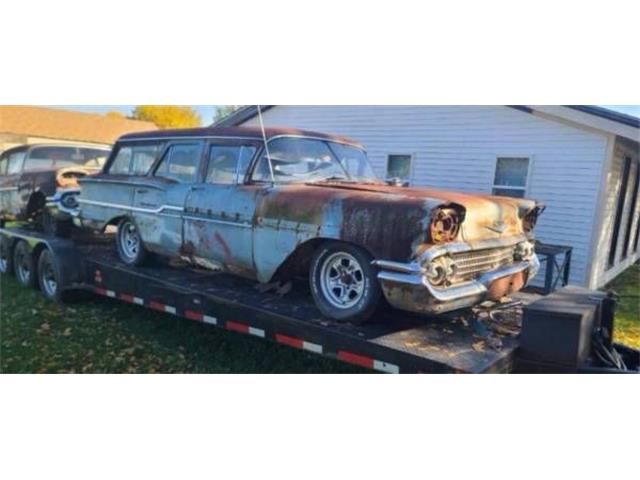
(197, 189)
(142, 191)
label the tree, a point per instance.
(223, 111)
(168, 116)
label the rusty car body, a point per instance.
(292, 202)
(39, 182)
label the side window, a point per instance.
(181, 163)
(122, 163)
(399, 166)
(3, 165)
(135, 160)
(143, 158)
(228, 164)
(511, 177)
(14, 165)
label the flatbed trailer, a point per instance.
(395, 342)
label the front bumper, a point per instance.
(407, 287)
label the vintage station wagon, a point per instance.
(297, 203)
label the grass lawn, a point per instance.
(106, 336)
(627, 286)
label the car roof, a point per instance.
(235, 132)
(63, 145)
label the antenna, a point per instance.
(266, 146)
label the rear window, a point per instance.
(54, 158)
(135, 159)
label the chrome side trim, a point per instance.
(9, 189)
(131, 208)
(220, 222)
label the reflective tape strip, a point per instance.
(161, 307)
(298, 343)
(195, 316)
(209, 320)
(385, 367)
(246, 329)
(100, 291)
(256, 332)
(355, 359)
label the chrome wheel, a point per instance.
(130, 240)
(23, 266)
(4, 256)
(342, 280)
(49, 279)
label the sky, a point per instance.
(207, 111)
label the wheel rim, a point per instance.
(49, 278)
(4, 257)
(23, 269)
(130, 240)
(342, 280)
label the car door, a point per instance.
(10, 187)
(218, 219)
(159, 199)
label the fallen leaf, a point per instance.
(67, 332)
(479, 346)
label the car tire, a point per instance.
(49, 278)
(24, 266)
(56, 228)
(344, 283)
(129, 243)
(6, 257)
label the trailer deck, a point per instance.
(395, 342)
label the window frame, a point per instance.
(24, 153)
(527, 184)
(412, 163)
(166, 150)
(132, 145)
(245, 179)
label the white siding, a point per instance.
(456, 147)
(602, 273)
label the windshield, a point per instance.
(53, 158)
(302, 160)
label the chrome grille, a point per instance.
(473, 264)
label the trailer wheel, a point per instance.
(49, 276)
(6, 259)
(343, 282)
(24, 265)
(129, 243)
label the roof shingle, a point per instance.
(67, 125)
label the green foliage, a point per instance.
(106, 336)
(168, 116)
(223, 111)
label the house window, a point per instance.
(399, 167)
(511, 177)
(632, 211)
(622, 196)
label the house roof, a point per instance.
(234, 132)
(587, 115)
(67, 125)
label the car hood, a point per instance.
(486, 216)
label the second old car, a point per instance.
(290, 203)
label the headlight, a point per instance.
(445, 225)
(69, 201)
(530, 220)
(523, 251)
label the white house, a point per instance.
(581, 161)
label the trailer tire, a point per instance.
(343, 283)
(129, 243)
(6, 257)
(49, 277)
(24, 265)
